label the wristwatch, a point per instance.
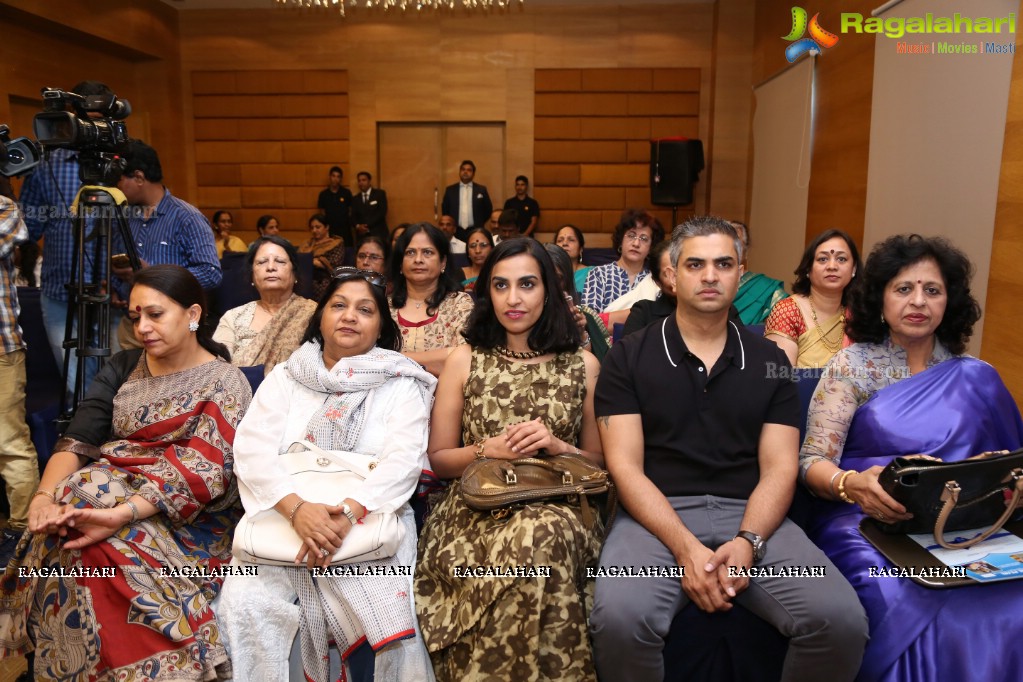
(759, 544)
(347, 511)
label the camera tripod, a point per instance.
(89, 301)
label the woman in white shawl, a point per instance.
(345, 388)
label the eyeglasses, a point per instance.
(374, 278)
(371, 257)
(636, 237)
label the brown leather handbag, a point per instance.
(498, 484)
(982, 491)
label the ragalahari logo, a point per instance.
(819, 37)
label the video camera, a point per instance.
(95, 129)
(17, 156)
(57, 127)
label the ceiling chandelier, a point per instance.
(403, 5)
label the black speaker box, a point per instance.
(675, 165)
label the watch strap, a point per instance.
(759, 546)
(347, 511)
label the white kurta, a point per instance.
(396, 432)
(260, 614)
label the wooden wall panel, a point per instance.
(1000, 345)
(254, 156)
(448, 66)
(593, 175)
(520, 68)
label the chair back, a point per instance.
(254, 374)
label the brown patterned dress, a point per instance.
(510, 628)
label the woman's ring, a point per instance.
(323, 552)
(881, 516)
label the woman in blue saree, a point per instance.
(906, 388)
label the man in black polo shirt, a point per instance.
(702, 443)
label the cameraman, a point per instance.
(46, 198)
(166, 230)
(19, 465)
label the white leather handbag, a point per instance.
(327, 477)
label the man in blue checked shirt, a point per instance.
(166, 231)
(45, 200)
(19, 465)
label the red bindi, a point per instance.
(138, 309)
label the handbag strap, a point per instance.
(950, 498)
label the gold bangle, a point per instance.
(841, 487)
(291, 516)
(44, 493)
(479, 449)
(831, 483)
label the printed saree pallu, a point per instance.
(143, 612)
(953, 410)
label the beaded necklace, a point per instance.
(519, 355)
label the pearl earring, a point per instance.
(193, 326)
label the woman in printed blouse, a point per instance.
(637, 232)
(809, 325)
(142, 480)
(906, 387)
(427, 302)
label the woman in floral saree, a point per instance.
(134, 510)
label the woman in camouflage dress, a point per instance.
(523, 385)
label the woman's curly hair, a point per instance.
(633, 218)
(886, 261)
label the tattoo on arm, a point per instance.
(606, 421)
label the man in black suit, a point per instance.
(467, 202)
(336, 202)
(369, 209)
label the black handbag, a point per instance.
(982, 491)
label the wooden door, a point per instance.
(418, 160)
